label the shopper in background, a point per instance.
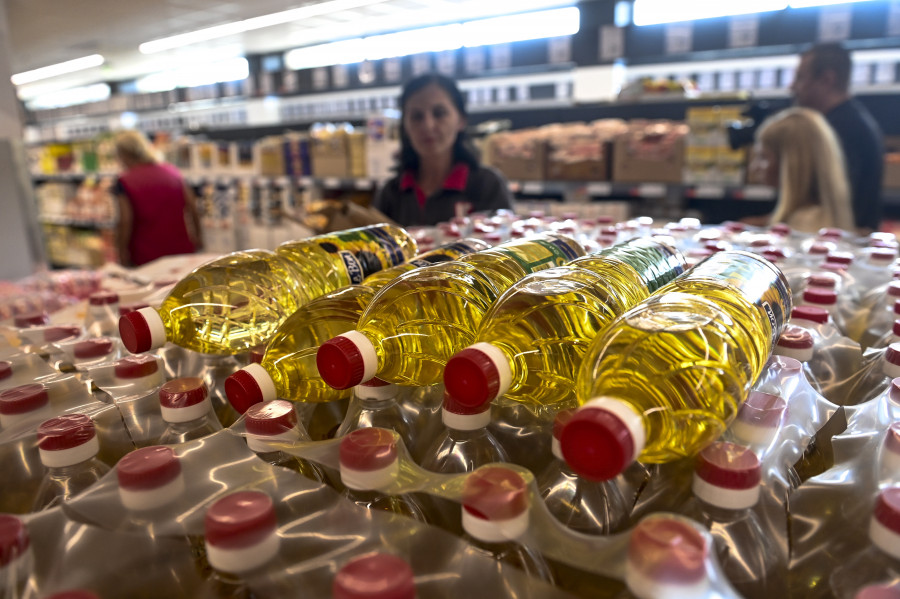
(439, 175)
(798, 153)
(822, 83)
(157, 213)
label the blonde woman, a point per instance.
(157, 213)
(797, 152)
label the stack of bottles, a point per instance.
(576, 407)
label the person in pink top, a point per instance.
(157, 213)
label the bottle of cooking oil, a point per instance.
(288, 367)
(668, 376)
(531, 342)
(231, 304)
(421, 319)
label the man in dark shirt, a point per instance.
(822, 82)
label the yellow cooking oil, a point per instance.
(336, 260)
(232, 303)
(421, 319)
(685, 358)
(444, 253)
(290, 357)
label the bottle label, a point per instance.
(353, 267)
(390, 245)
(444, 253)
(771, 314)
(557, 252)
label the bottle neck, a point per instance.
(72, 469)
(190, 425)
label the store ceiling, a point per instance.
(43, 32)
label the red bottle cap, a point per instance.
(65, 432)
(14, 539)
(271, 418)
(61, 332)
(892, 354)
(812, 313)
(762, 409)
(135, 367)
(820, 296)
(368, 449)
(23, 399)
(135, 332)
(892, 438)
(375, 576)
(823, 280)
(893, 289)
(780, 229)
(605, 219)
(831, 233)
(773, 256)
(93, 348)
(560, 421)
(73, 594)
(833, 267)
(845, 258)
(887, 509)
(472, 378)
(717, 246)
(883, 254)
(668, 551)
(597, 444)
(123, 310)
(897, 306)
(878, 591)
(148, 468)
(896, 327)
(6, 370)
(257, 353)
(734, 226)
(183, 392)
(454, 406)
(340, 363)
(31, 319)
(103, 298)
(794, 337)
(495, 493)
(819, 249)
(243, 391)
(728, 466)
(240, 520)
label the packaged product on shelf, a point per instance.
(579, 151)
(650, 152)
(520, 155)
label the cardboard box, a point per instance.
(644, 157)
(581, 170)
(330, 155)
(518, 159)
(892, 170)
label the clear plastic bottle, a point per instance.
(21, 370)
(102, 317)
(532, 340)
(880, 561)
(369, 464)
(187, 410)
(238, 301)
(667, 377)
(798, 343)
(891, 336)
(374, 576)
(241, 533)
(214, 371)
(24, 403)
(68, 448)
(150, 479)
(16, 558)
(586, 506)
(276, 421)
(879, 591)
(375, 403)
(726, 488)
(137, 375)
(421, 319)
(758, 422)
(876, 319)
(445, 253)
(495, 517)
(884, 370)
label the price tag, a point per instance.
(502, 94)
(747, 80)
(612, 43)
(475, 59)
(331, 183)
(362, 184)
(768, 79)
(532, 188)
(679, 38)
(706, 81)
(834, 23)
(501, 56)
(885, 72)
(421, 64)
(393, 69)
(651, 190)
(559, 49)
(320, 78)
(446, 62)
(893, 27)
(759, 192)
(340, 75)
(289, 81)
(305, 181)
(726, 81)
(709, 192)
(743, 31)
(599, 189)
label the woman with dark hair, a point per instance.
(439, 175)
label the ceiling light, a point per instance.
(518, 28)
(62, 68)
(655, 12)
(70, 97)
(323, 55)
(191, 75)
(226, 29)
(808, 3)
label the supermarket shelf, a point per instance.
(74, 222)
(606, 189)
(66, 177)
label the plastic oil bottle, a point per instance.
(667, 377)
(288, 367)
(531, 341)
(231, 304)
(421, 319)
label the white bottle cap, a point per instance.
(495, 505)
(478, 374)
(25, 402)
(139, 373)
(759, 418)
(666, 558)
(377, 389)
(347, 360)
(884, 527)
(603, 437)
(891, 364)
(67, 440)
(795, 342)
(463, 417)
(727, 476)
(184, 399)
(241, 532)
(271, 421)
(890, 453)
(369, 459)
(149, 478)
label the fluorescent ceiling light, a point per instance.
(655, 12)
(232, 69)
(226, 29)
(70, 97)
(62, 68)
(808, 3)
(528, 26)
